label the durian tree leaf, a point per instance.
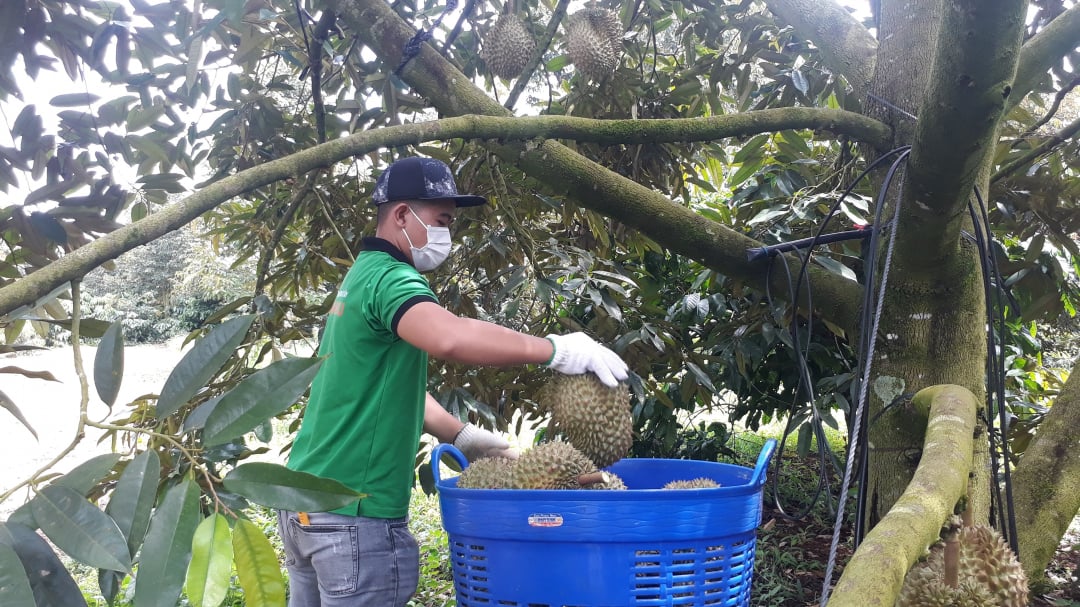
(81, 479)
(109, 364)
(276, 486)
(14, 586)
(80, 529)
(259, 397)
(196, 420)
(49, 580)
(201, 363)
(165, 555)
(47, 376)
(210, 568)
(257, 567)
(132, 501)
(88, 327)
(109, 584)
(13, 409)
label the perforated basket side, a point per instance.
(710, 573)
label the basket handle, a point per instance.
(762, 462)
(452, 451)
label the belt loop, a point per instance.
(304, 520)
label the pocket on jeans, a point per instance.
(333, 550)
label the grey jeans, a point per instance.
(349, 561)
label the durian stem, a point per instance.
(591, 478)
(952, 559)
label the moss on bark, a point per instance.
(874, 575)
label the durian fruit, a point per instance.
(697, 483)
(554, 465)
(594, 40)
(593, 417)
(487, 473)
(988, 574)
(508, 46)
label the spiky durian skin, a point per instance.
(554, 465)
(593, 417)
(508, 46)
(487, 473)
(696, 483)
(594, 41)
(989, 575)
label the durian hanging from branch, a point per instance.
(594, 40)
(508, 45)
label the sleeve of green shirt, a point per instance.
(400, 289)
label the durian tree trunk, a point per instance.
(875, 574)
(1047, 482)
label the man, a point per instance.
(369, 401)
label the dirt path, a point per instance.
(52, 408)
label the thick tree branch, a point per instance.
(845, 44)
(1046, 483)
(38, 285)
(874, 575)
(1043, 148)
(594, 187)
(974, 66)
(1042, 51)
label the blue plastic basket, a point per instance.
(645, 546)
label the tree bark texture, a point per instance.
(29, 290)
(931, 333)
(844, 43)
(875, 574)
(1042, 51)
(592, 186)
(1046, 482)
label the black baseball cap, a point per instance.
(419, 178)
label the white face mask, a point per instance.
(437, 249)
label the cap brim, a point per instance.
(468, 201)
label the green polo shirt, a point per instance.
(366, 410)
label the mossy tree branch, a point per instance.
(1042, 51)
(1046, 482)
(376, 25)
(974, 66)
(845, 44)
(875, 574)
(38, 285)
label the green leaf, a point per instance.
(138, 211)
(73, 100)
(257, 567)
(80, 529)
(49, 579)
(835, 267)
(88, 327)
(276, 486)
(558, 62)
(83, 477)
(260, 396)
(201, 363)
(210, 569)
(14, 586)
(8, 404)
(164, 557)
(109, 364)
(133, 500)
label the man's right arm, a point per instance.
(435, 330)
(441, 334)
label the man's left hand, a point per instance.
(475, 442)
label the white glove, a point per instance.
(475, 442)
(577, 353)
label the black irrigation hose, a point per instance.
(805, 382)
(995, 374)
